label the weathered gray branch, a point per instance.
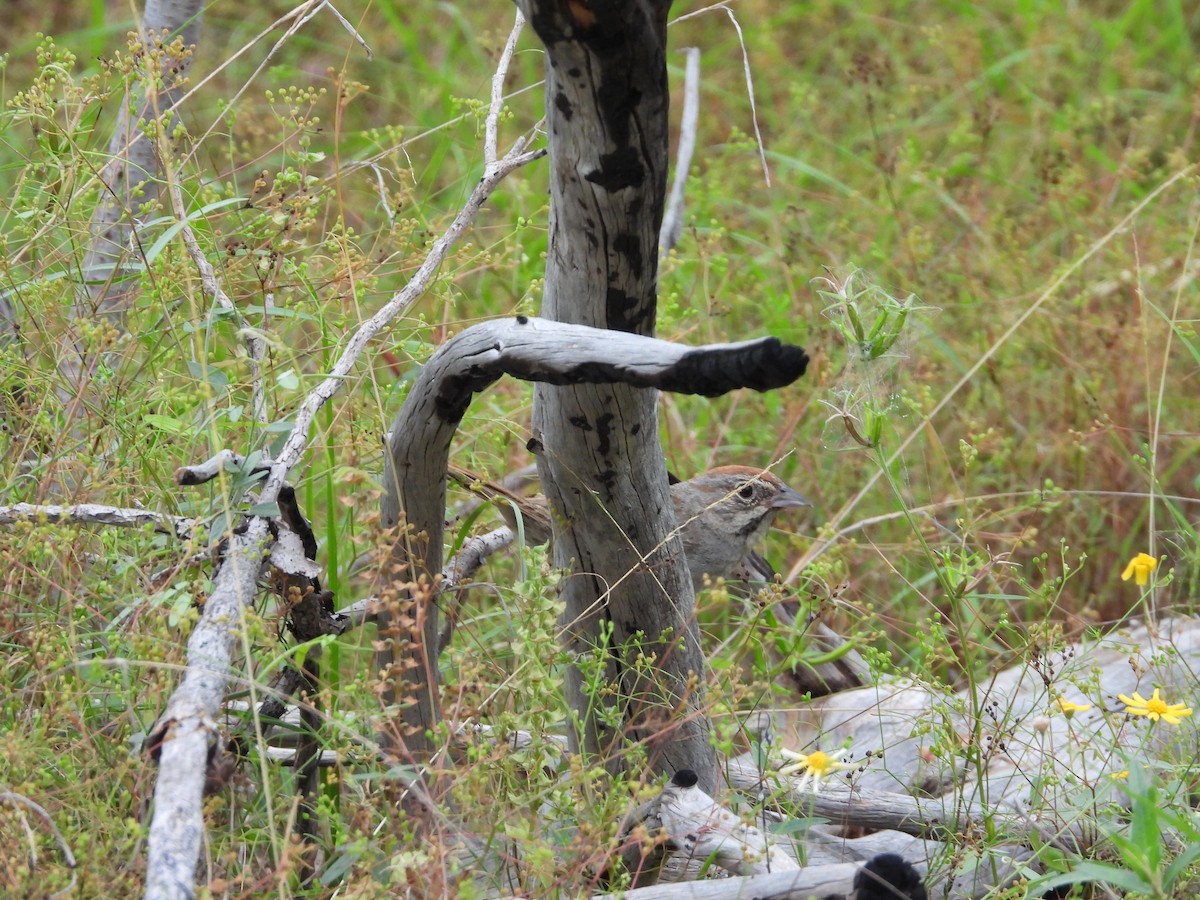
(672, 226)
(472, 554)
(700, 831)
(547, 352)
(201, 473)
(98, 514)
(873, 810)
(492, 122)
(186, 734)
(836, 880)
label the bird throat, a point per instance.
(757, 527)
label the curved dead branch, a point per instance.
(537, 350)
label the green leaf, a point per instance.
(165, 423)
(218, 529)
(796, 826)
(180, 606)
(283, 312)
(1145, 831)
(177, 226)
(341, 865)
(288, 380)
(251, 461)
(760, 756)
(1181, 862)
(1087, 870)
(214, 377)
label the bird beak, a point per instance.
(789, 499)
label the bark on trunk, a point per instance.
(603, 468)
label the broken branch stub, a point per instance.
(537, 350)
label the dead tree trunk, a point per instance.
(603, 469)
(130, 178)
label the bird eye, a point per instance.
(747, 492)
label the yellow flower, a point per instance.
(1069, 709)
(1123, 775)
(1139, 568)
(1155, 708)
(815, 766)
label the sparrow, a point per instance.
(722, 514)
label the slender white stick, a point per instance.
(672, 226)
(762, 152)
(492, 123)
(98, 514)
(297, 440)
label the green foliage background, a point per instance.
(1023, 168)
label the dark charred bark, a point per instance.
(603, 468)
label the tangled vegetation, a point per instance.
(979, 219)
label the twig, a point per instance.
(358, 38)
(472, 554)
(491, 123)
(762, 153)
(298, 17)
(99, 514)
(464, 564)
(200, 473)
(256, 346)
(14, 799)
(383, 198)
(297, 440)
(286, 756)
(517, 481)
(356, 614)
(672, 226)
